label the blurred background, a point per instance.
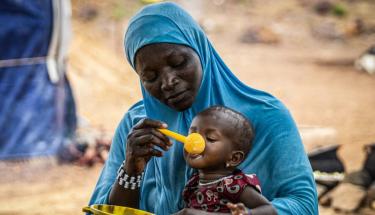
(317, 56)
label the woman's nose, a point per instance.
(169, 81)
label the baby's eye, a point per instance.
(210, 139)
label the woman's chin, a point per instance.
(180, 106)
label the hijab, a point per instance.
(277, 156)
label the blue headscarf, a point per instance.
(277, 155)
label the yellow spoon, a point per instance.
(193, 143)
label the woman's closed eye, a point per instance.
(180, 64)
(177, 62)
(149, 76)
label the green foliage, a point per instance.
(118, 12)
(339, 10)
(121, 9)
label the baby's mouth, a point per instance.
(195, 156)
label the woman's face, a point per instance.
(169, 72)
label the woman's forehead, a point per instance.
(157, 51)
(161, 48)
(163, 23)
(157, 47)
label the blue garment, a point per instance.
(36, 115)
(277, 156)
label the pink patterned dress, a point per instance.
(214, 196)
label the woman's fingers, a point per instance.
(146, 131)
(150, 141)
(147, 152)
(143, 142)
(149, 136)
(149, 123)
(231, 205)
(162, 136)
(241, 207)
(237, 209)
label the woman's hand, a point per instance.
(238, 209)
(144, 141)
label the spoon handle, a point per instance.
(174, 135)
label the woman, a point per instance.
(181, 74)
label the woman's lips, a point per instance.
(176, 98)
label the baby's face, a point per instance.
(217, 132)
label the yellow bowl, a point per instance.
(151, 1)
(113, 210)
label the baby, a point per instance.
(219, 186)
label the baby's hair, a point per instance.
(240, 124)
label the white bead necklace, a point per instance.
(213, 182)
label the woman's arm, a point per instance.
(113, 163)
(281, 164)
(108, 190)
(140, 147)
(292, 178)
(297, 194)
(289, 177)
(124, 196)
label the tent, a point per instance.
(37, 109)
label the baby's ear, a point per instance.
(237, 158)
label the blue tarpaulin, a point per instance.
(36, 113)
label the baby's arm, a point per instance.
(253, 202)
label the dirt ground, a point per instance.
(313, 75)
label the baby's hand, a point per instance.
(238, 209)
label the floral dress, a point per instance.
(214, 196)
